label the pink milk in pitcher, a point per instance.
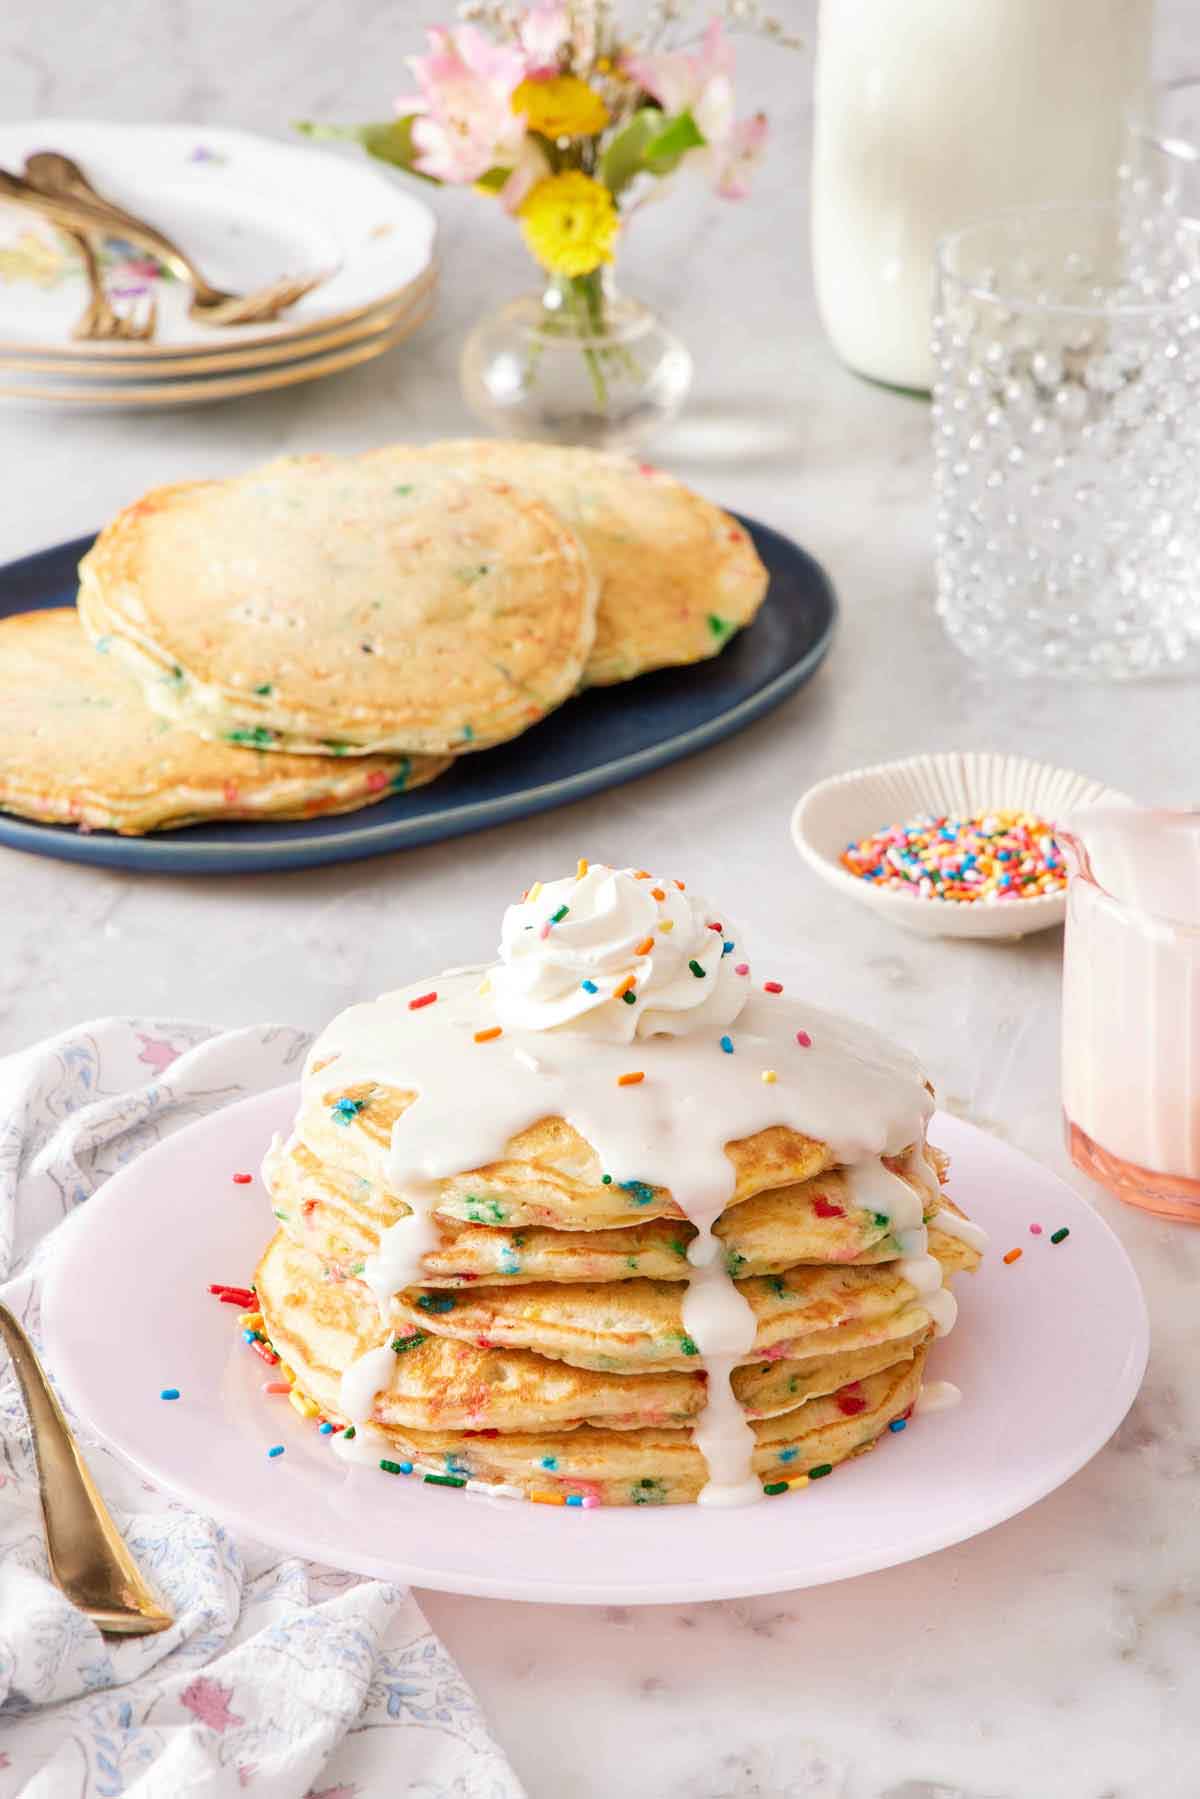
(1131, 1005)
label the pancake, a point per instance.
(78, 746)
(330, 605)
(636, 1325)
(514, 1418)
(677, 576)
(320, 1327)
(657, 1466)
(550, 1175)
(529, 1219)
(340, 1217)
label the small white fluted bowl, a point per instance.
(852, 806)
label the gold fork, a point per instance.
(88, 1559)
(63, 194)
(99, 319)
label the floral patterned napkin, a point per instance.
(279, 1678)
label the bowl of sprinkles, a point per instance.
(954, 845)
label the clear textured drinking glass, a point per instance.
(1159, 175)
(1066, 427)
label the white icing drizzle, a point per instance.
(937, 1396)
(721, 1323)
(403, 1246)
(924, 1274)
(968, 1232)
(362, 1380)
(365, 1448)
(877, 1189)
(568, 1042)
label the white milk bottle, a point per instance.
(934, 113)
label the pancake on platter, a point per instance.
(331, 605)
(678, 577)
(78, 746)
(705, 1248)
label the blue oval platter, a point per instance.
(600, 738)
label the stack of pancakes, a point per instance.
(324, 632)
(542, 1346)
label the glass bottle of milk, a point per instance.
(932, 113)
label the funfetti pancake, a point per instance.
(344, 606)
(678, 577)
(79, 746)
(611, 1220)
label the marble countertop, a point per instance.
(1056, 1657)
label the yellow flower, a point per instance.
(563, 106)
(569, 223)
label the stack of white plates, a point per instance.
(250, 211)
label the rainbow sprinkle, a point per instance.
(984, 858)
(1057, 1236)
(169, 1393)
(1014, 1255)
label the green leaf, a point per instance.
(390, 141)
(625, 156)
(493, 180)
(650, 144)
(679, 135)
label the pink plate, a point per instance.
(1049, 1353)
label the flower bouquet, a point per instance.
(571, 126)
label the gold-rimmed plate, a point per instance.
(202, 389)
(250, 209)
(138, 373)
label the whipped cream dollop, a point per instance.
(619, 954)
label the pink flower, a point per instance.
(158, 1053)
(465, 124)
(208, 1701)
(701, 82)
(530, 167)
(740, 153)
(543, 31)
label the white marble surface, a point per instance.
(1055, 1658)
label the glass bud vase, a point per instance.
(577, 364)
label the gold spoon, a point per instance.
(100, 321)
(63, 193)
(88, 1558)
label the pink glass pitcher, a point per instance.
(1131, 1005)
